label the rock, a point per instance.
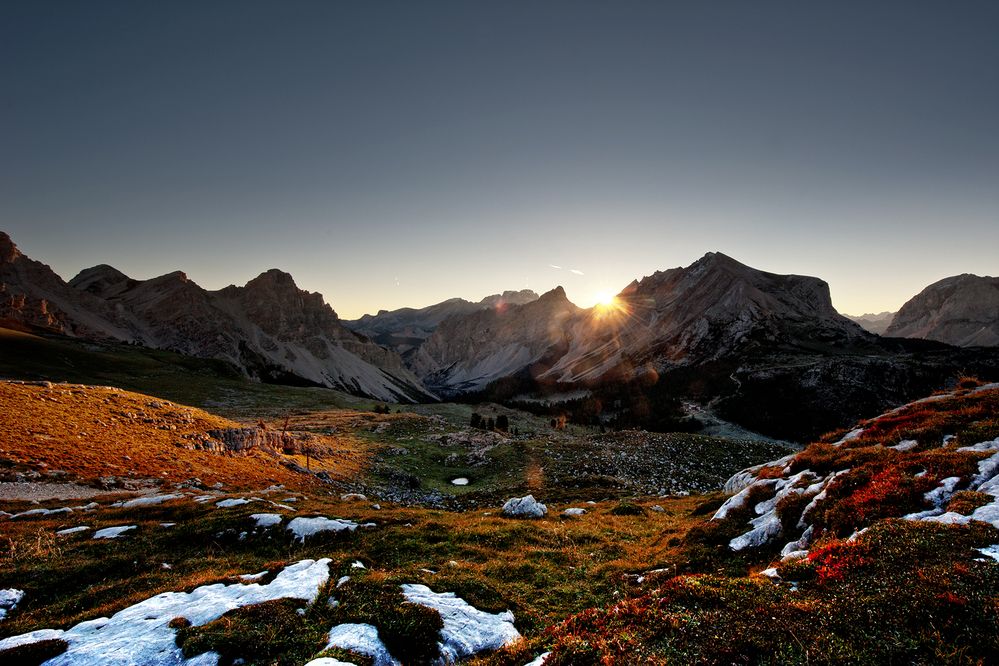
(524, 507)
(573, 512)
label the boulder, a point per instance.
(524, 507)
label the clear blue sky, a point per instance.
(400, 153)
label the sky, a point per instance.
(392, 154)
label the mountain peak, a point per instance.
(558, 293)
(99, 279)
(273, 278)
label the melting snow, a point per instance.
(113, 532)
(305, 527)
(41, 512)
(253, 577)
(9, 599)
(540, 660)
(226, 503)
(146, 501)
(363, 639)
(266, 519)
(140, 634)
(467, 630)
(990, 551)
(72, 530)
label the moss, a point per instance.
(33, 654)
(628, 509)
(410, 631)
(269, 632)
(966, 501)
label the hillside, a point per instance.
(655, 579)
(962, 310)
(890, 554)
(122, 440)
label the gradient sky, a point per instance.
(394, 154)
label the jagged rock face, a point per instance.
(465, 353)
(962, 310)
(407, 328)
(873, 323)
(33, 296)
(714, 308)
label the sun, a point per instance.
(606, 298)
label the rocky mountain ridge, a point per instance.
(406, 329)
(269, 328)
(873, 322)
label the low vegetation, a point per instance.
(644, 576)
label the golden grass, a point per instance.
(94, 431)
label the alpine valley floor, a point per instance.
(282, 529)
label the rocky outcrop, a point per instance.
(241, 441)
(962, 310)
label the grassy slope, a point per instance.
(91, 432)
(900, 592)
(203, 383)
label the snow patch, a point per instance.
(306, 527)
(226, 503)
(467, 630)
(363, 639)
(266, 519)
(72, 530)
(113, 532)
(146, 501)
(140, 634)
(9, 599)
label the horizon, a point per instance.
(396, 156)
(600, 297)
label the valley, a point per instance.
(711, 470)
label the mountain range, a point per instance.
(716, 332)
(269, 328)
